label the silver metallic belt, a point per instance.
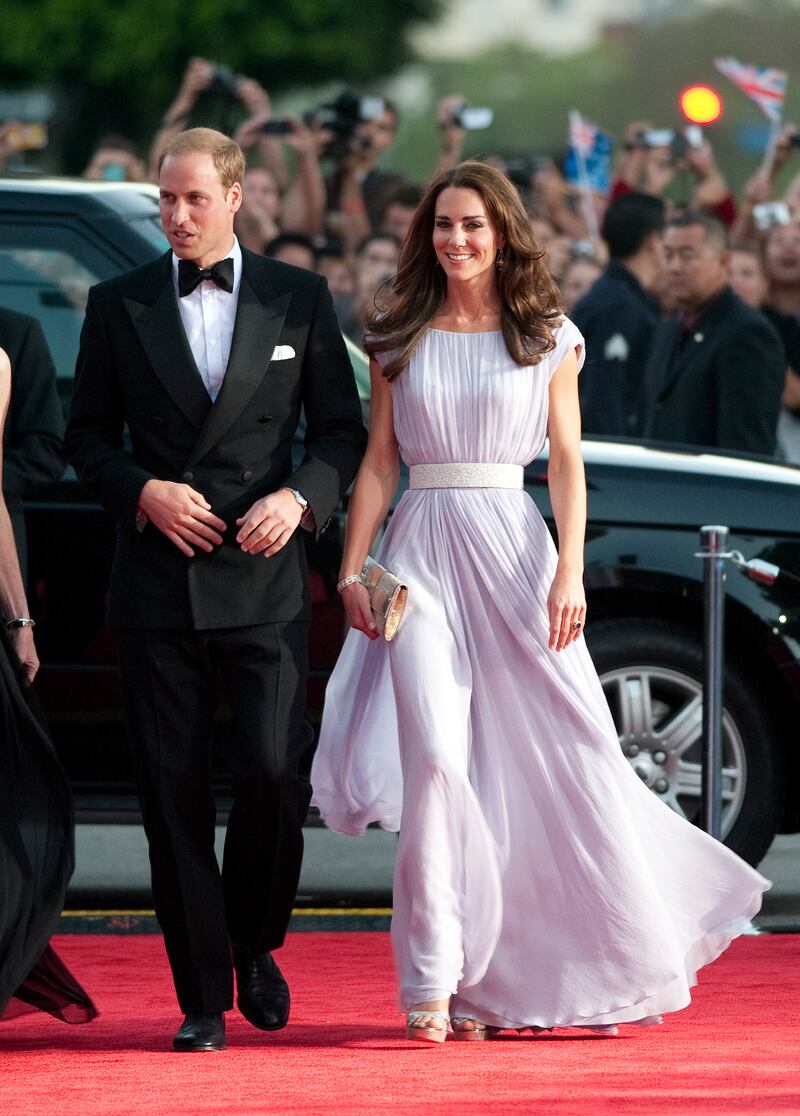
(458, 474)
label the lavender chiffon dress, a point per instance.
(538, 882)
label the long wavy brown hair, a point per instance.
(404, 309)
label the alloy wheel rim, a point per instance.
(658, 714)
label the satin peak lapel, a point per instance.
(258, 326)
(161, 333)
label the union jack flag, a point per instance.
(582, 133)
(765, 86)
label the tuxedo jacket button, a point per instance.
(247, 475)
(264, 418)
(188, 476)
(158, 420)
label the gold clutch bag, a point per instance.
(387, 597)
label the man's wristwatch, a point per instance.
(20, 622)
(299, 497)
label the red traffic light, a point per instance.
(701, 104)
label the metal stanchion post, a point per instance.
(714, 551)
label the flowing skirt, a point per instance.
(538, 882)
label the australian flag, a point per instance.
(592, 148)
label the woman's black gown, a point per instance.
(36, 855)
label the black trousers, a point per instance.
(169, 686)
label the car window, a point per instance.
(51, 285)
(46, 273)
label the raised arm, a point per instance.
(197, 77)
(304, 202)
(566, 480)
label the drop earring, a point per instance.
(500, 259)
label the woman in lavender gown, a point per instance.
(538, 883)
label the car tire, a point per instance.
(651, 672)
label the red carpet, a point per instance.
(736, 1049)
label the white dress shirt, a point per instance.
(208, 315)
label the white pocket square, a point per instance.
(283, 352)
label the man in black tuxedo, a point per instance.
(34, 430)
(208, 355)
(717, 367)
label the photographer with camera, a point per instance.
(115, 159)
(449, 117)
(759, 209)
(298, 202)
(17, 137)
(198, 77)
(356, 131)
(653, 156)
(205, 77)
(303, 193)
(300, 207)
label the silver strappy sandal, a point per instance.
(422, 1026)
(474, 1033)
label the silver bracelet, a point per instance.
(20, 622)
(351, 579)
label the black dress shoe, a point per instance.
(263, 994)
(201, 1032)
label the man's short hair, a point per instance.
(374, 237)
(114, 141)
(227, 156)
(290, 240)
(713, 228)
(629, 220)
(409, 195)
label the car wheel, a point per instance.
(651, 673)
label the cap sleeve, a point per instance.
(568, 337)
(384, 357)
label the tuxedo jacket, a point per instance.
(135, 370)
(720, 384)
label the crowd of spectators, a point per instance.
(685, 305)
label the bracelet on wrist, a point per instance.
(351, 579)
(20, 622)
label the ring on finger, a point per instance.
(576, 625)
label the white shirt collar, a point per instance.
(235, 254)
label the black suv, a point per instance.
(643, 582)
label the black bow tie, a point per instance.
(189, 275)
